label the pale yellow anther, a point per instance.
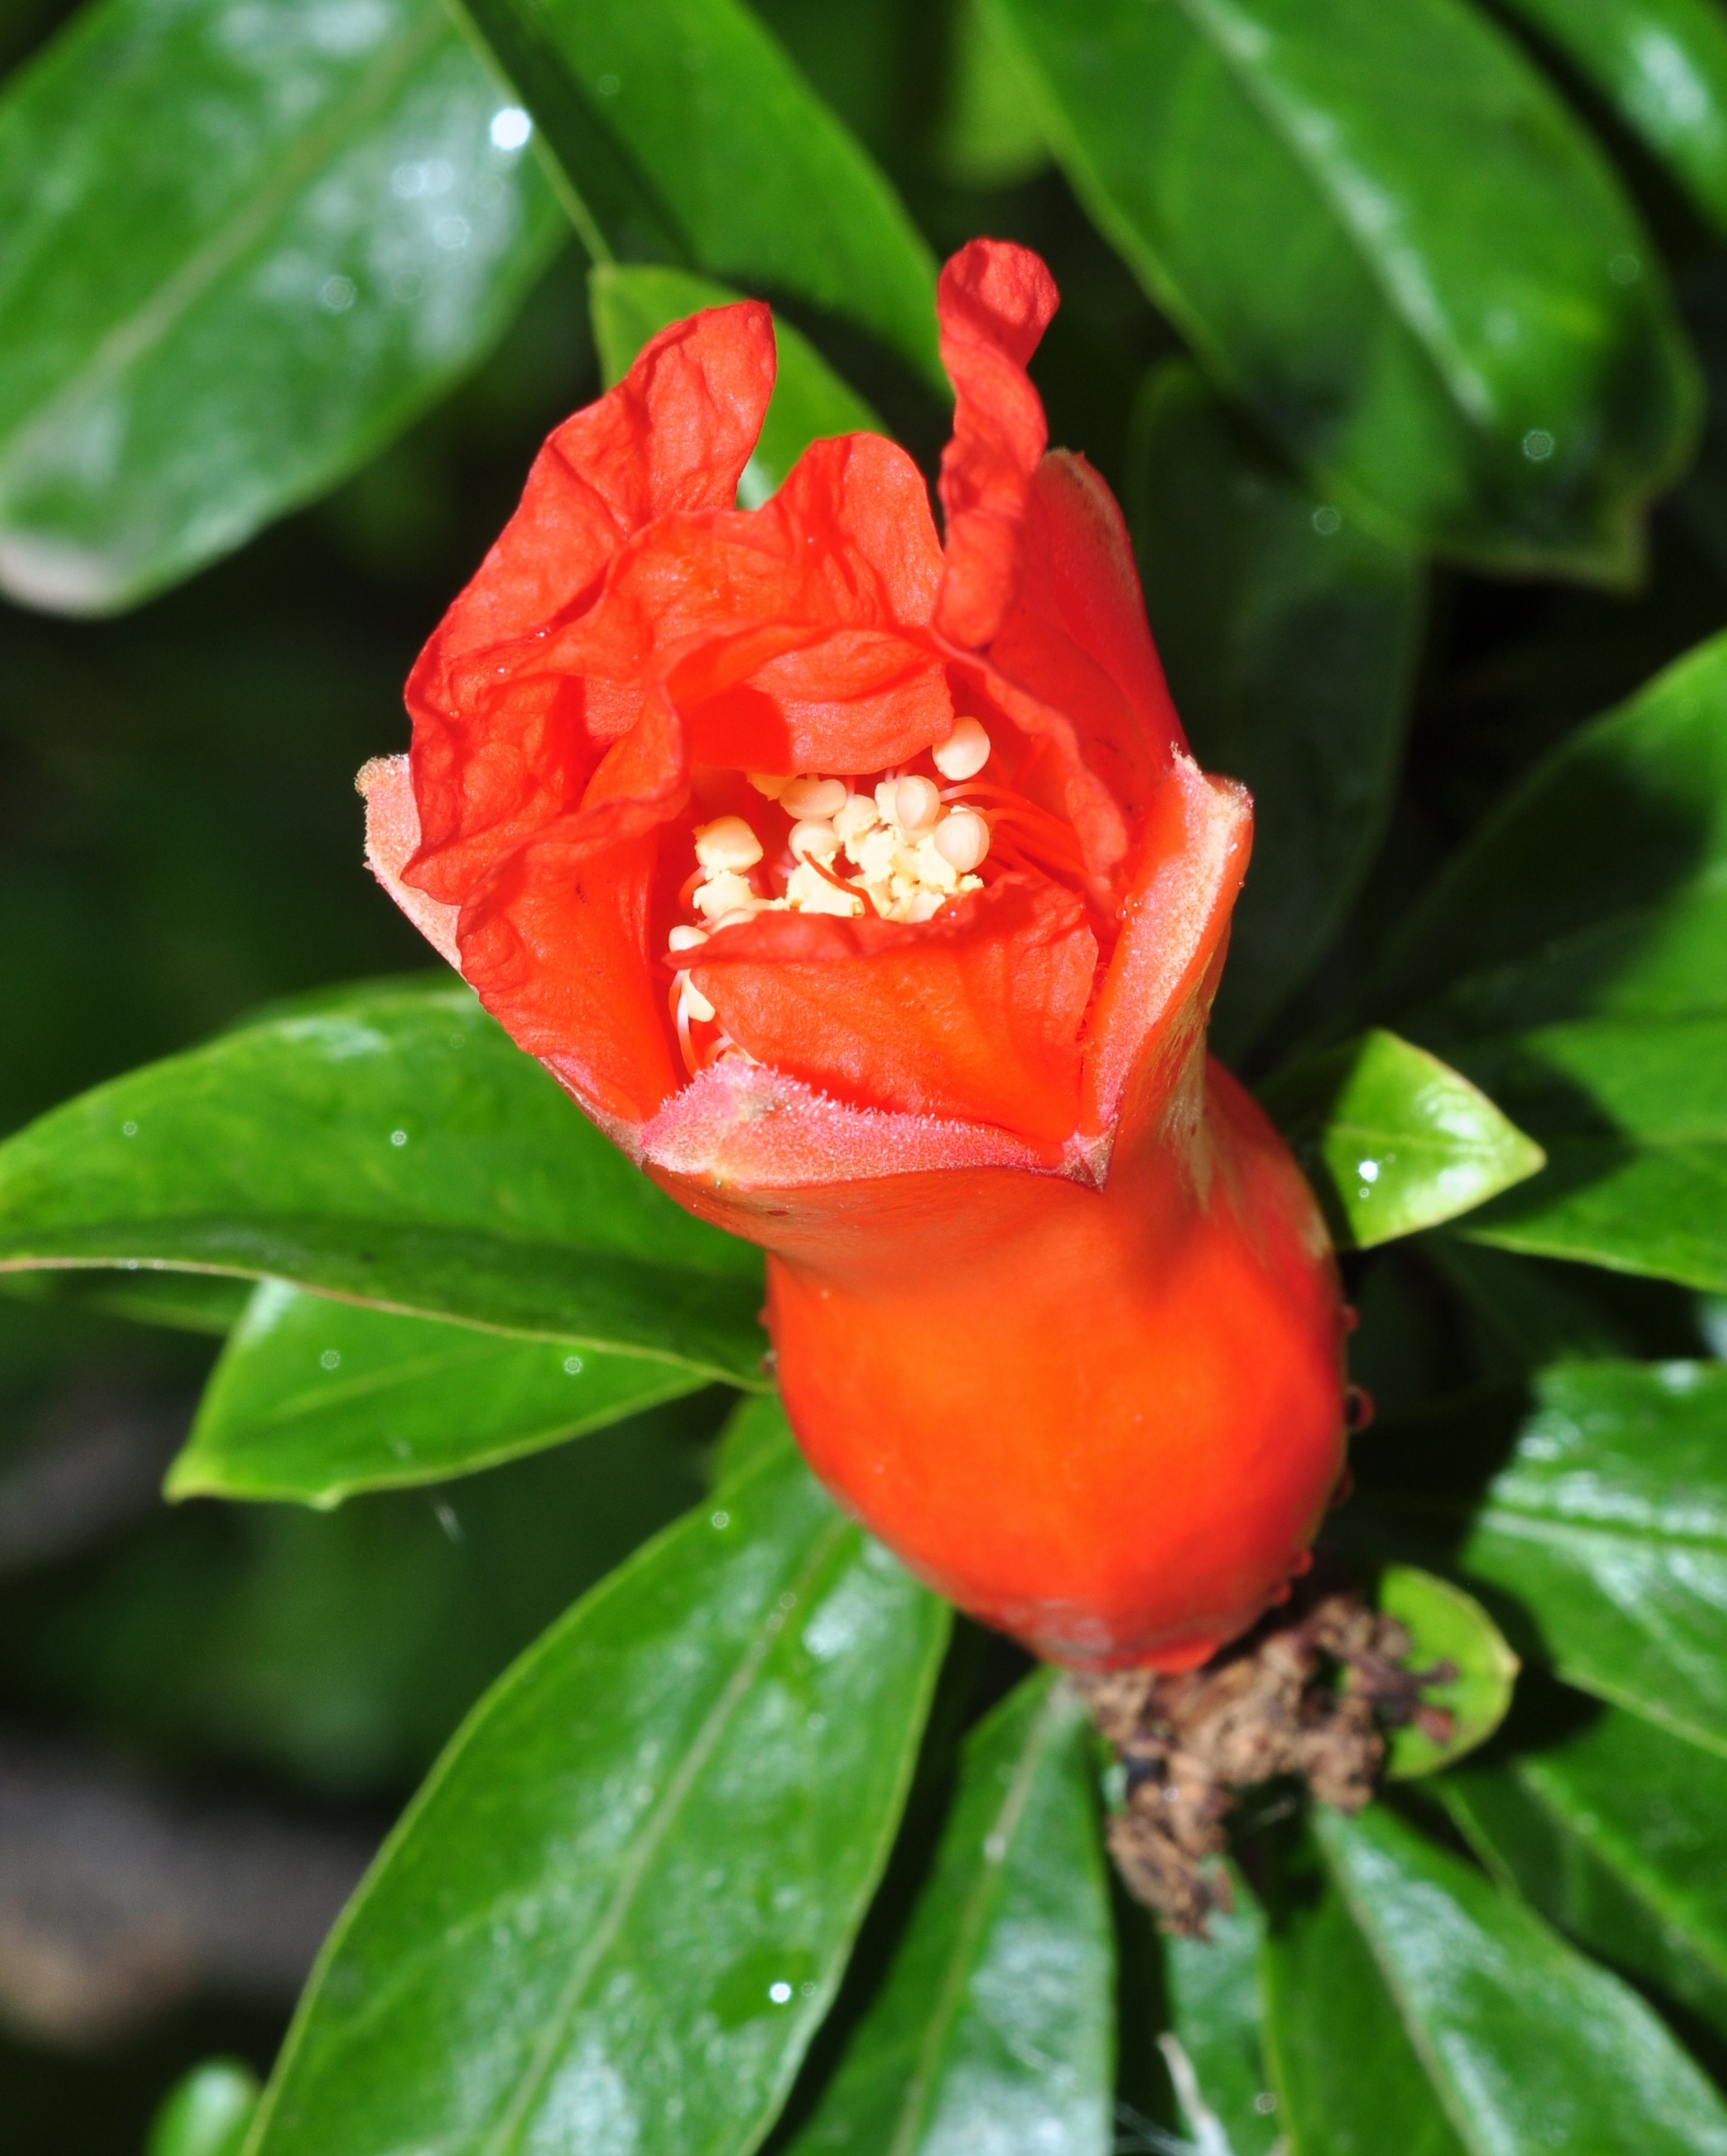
(963, 839)
(814, 835)
(931, 869)
(916, 806)
(723, 894)
(685, 937)
(769, 783)
(696, 1004)
(726, 842)
(964, 753)
(859, 815)
(922, 905)
(812, 795)
(808, 891)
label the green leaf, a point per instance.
(1614, 1831)
(1633, 1116)
(1447, 1625)
(1303, 186)
(398, 1150)
(182, 1302)
(1393, 1140)
(1289, 636)
(1662, 65)
(632, 304)
(1348, 2076)
(989, 134)
(315, 1400)
(1214, 2046)
(1597, 889)
(1600, 1533)
(1527, 2046)
(244, 248)
(621, 1906)
(995, 2024)
(688, 135)
(207, 2111)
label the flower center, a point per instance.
(902, 848)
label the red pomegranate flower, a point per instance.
(862, 890)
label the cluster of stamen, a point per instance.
(902, 850)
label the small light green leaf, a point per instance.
(995, 2024)
(1289, 636)
(688, 135)
(397, 1149)
(1633, 1114)
(1303, 185)
(1662, 64)
(1214, 2046)
(245, 246)
(1613, 1829)
(1447, 1625)
(313, 1400)
(632, 304)
(207, 2111)
(1393, 1139)
(1528, 2047)
(622, 1904)
(1597, 1525)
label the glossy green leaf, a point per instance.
(1616, 1832)
(1289, 636)
(1597, 889)
(1527, 2046)
(633, 303)
(1446, 1625)
(688, 135)
(995, 2024)
(245, 246)
(1662, 64)
(401, 1150)
(1349, 2077)
(1633, 1116)
(1214, 2046)
(183, 1301)
(207, 2112)
(988, 134)
(1303, 185)
(314, 1399)
(621, 1906)
(1393, 1140)
(1600, 1533)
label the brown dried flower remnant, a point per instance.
(1307, 1694)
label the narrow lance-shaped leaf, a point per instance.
(995, 2024)
(1614, 1829)
(244, 247)
(1393, 1139)
(1528, 2047)
(1214, 2045)
(1595, 1526)
(314, 1399)
(1663, 65)
(1289, 635)
(397, 1149)
(622, 1903)
(1303, 185)
(632, 304)
(1597, 889)
(689, 135)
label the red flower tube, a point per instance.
(862, 890)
